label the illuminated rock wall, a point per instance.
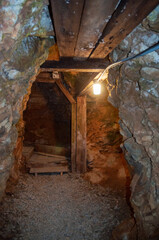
(134, 90)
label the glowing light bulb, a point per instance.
(96, 88)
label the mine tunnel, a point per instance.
(79, 122)
(47, 130)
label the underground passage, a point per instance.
(79, 120)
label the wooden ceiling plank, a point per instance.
(67, 17)
(96, 14)
(72, 65)
(127, 16)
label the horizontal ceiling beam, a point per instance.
(126, 17)
(45, 80)
(67, 17)
(71, 65)
(95, 16)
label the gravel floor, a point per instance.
(54, 207)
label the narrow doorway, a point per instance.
(47, 121)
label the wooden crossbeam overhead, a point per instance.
(127, 16)
(45, 77)
(69, 65)
(43, 80)
(67, 17)
(96, 14)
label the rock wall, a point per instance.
(134, 90)
(106, 162)
(23, 48)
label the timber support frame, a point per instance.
(78, 130)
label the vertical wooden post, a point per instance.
(81, 164)
(73, 136)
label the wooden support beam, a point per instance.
(73, 136)
(127, 16)
(45, 77)
(81, 161)
(95, 16)
(68, 65)
(65, 91)
(45, 80)
(67, 17)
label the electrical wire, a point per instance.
(143, 53)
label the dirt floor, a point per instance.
(54, 207)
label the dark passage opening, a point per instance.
(47, 121)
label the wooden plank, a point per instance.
(67, 17)
(65, 91)
(45, 80)
(68, 65)
(73, 137)
(127, 16)
(49, 169)
(45, 77)
(43, 159)
(52, 155)
(41, 164)
(96, 14)
(81, 161)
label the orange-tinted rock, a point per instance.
(106, 161)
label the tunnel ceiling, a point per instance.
(88, 31)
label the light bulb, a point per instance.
(96, 88)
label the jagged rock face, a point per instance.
(105, 158)
(134, 90)
(22, 50)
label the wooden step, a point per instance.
(37, 158)
(41, 163)
(55, 169)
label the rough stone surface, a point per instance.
(20, 57)
(106, 162)
(134, 89)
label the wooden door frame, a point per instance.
(78, 130)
